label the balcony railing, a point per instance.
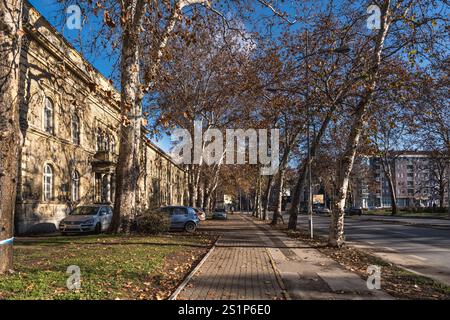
(105, 156)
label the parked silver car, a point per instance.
(220, 214)
(91, 218)
(322, 210)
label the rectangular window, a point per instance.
(47, 189)
(48, 116)
(48, 183)
(76, 129)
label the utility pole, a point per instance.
(448, 187)
(310, 198)
(340, 50)
(240, 200)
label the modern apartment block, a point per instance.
(70, 122)
(420, 180)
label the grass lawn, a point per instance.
(112, 267)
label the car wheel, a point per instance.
(98, 228)
(190, 227)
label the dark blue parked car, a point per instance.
(182, 218)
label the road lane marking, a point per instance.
(417, 257)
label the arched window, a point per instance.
(48, 182)
(48, 116)
(75, 186)
(75, 129)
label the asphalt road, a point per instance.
(425, 250)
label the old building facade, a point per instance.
(70, 123)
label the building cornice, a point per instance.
(40, 30)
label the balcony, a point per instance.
(104, 160)
(105, 156)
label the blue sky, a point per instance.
(54, 13)
(101, 59)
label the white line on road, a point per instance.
(417, 257)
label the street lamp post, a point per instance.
(448, 187)
(240, 201)
(339, 50)
(308, 135)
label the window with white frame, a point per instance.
(48, 182)
(75, 186)
(48, 116)
(75, 129)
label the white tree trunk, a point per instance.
(128, 166)
(345, 166)
(279, 205)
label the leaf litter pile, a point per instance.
(111, 267)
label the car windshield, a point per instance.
(84, 211)
(220, 210)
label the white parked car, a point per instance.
(91, 218)
(322, 210)
(200, 214)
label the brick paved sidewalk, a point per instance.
(239, 267)
(309, 274)
(255, 262)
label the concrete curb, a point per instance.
(279, 278)
(412, 224)
(192, 273)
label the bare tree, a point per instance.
(137, 78)
(387, 138)
(10, 135)
(436, 179)
(387, 41)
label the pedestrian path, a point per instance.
(239, 267)
(253, 261)
(309, 274)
